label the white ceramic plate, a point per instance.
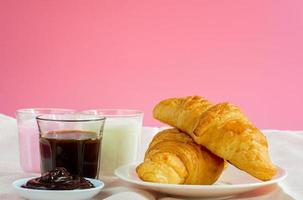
(80, 194)
(233, 181)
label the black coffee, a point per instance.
(77, 151)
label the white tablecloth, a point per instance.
(286, 148)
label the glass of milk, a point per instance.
(29, 135)
(120, 140)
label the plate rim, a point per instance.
(196, 187)
(17, 186)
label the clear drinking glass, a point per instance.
(29, 135)
(120, 138)
(72, 141)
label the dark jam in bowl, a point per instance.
(58, 179)
(77, 151)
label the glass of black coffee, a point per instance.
(72, 141)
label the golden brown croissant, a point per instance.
(221, 128)
(173, 157)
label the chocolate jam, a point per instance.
(77, 151)
(58, 179)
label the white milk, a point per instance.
(119, 144)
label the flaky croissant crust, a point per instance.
(221, 128)
(173, 157)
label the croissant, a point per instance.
(173, 157)
(223, 129)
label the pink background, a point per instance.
(131, 54)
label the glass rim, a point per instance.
(103, 112)
(32, 110)
(94, 118)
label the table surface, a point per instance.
(286, 149)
